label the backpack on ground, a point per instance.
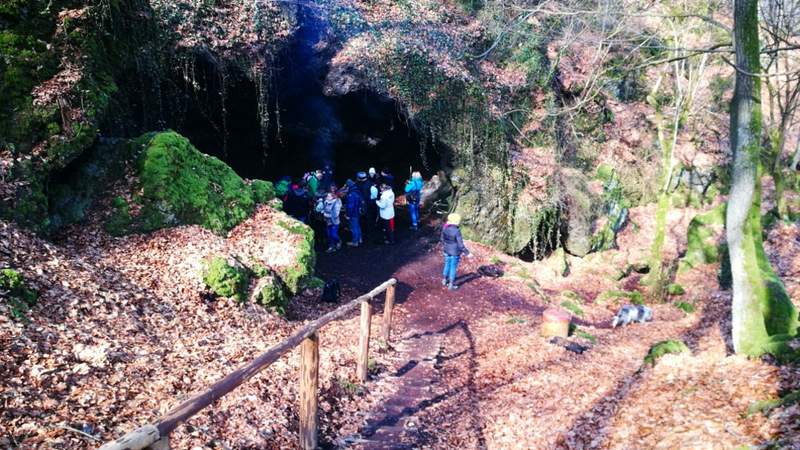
(331, 291)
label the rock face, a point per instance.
(582, 211)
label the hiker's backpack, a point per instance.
(330, 292)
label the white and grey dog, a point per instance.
(632, 313)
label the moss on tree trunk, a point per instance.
(763, 314)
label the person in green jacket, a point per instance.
(312, 183)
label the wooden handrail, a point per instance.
(146, 436)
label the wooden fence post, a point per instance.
(388, 306)
(363, 341)
(309, 383)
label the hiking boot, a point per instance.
(338, 246)
(452, 287)
(352, 244)
(330, 250)
(444, 281)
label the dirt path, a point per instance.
(471, 371)
(427, 317)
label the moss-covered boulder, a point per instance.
(226, 278)
(16, 293)
(703, 239)
(271, 292)
(177, 185)
(263, 191)
(299, 274)
(664, 347)
(180, 185)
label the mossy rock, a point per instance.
(19, 298)
(573, 307)
(120, 220)
(272, 293)
(180, 185)
(664, 347)
(301, 272)
(226, 279)
(675, 289)
(632, 297)
(703, 245)
(263, 191)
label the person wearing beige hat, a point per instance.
(453, 246)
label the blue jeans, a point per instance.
(333, 235)
(355, 229)
(450, 267)
(413, 208)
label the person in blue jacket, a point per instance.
(413, 192)
(353, 210)
(453, 246)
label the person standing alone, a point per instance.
(413, 191)
(385, 204)
(453, 246)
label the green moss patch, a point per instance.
(263, 191)
(226, 280)
(766, 406)
(664, 347)
(301, 273)
(120, 220)
(632, 297)
(19, 298)
(703, 245)
(572, 307)
(686, 307)
(271, 292)
(675, 289)
(180, 185)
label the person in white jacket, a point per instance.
(386, 213)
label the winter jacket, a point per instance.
(414, 190)
(313, 184)
(282, 188)
(386, 204)
(354, 203)
(331, 210)
(452, 241)
(363, 189)
(296, 204)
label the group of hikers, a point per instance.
(367, 204)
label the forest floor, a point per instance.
(124, 330)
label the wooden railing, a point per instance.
(156, 436)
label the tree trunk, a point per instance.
(763, 315)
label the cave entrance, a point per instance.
(307, 129)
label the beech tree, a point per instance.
(763, 316)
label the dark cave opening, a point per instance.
(307, 129)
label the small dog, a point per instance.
(632, 313)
